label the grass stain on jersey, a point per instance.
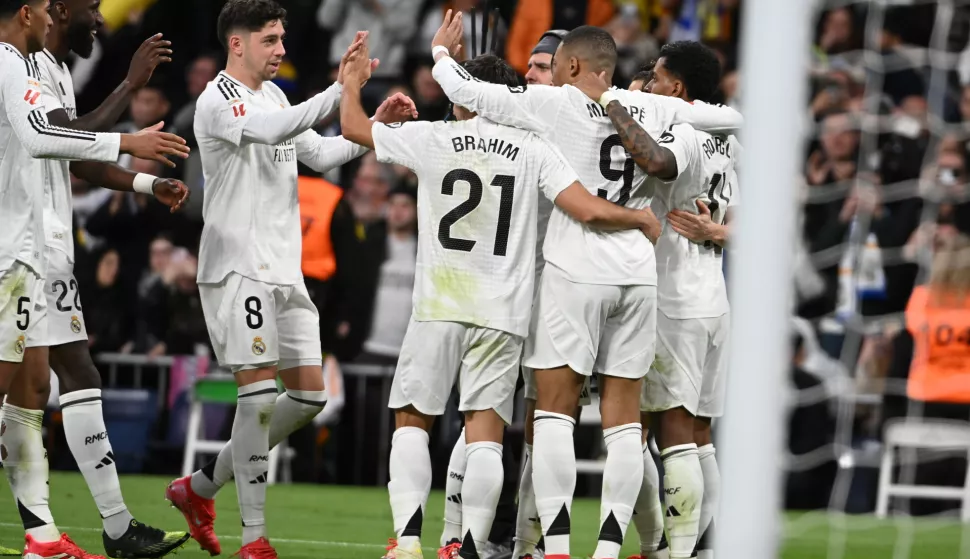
(454, 292)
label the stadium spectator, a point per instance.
(153, 295)
(392, 300)
(182, 322)
(428, 97)
(107, 317)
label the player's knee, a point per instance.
(483, 426)
(559, 390)
(676, 427)
(702, 431)
(78, 377)
(530, 416)
(409, 416)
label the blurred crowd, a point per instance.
(884, 187)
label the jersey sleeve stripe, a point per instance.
(49, 126)
(41, 126)
(222, 90)
(231, 87)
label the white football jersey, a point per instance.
(250, 205)
(477, 200)
(690, 275)
(58, 93)
(587, 138)
(26, 135)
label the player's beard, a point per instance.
(80, 40)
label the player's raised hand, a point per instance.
(450, 34)
(696, 227)
(594, 85)
(149, 55)
(360, 42)
(358, 67)
(396, 108)
(171, 192)
(152, 143)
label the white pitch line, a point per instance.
(221, 537)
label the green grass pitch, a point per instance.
(337, 522)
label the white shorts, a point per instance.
(253, 324)
(485, 362)
(23, 310)
(691, 366)
(604, 329)
(64, 321)
(531, 393)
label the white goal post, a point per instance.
(775, 51)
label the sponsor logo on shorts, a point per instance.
(20, 345)
(259, 347)
(75, 324)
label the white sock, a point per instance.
(453, 484)
(649, 518)
(554, 478)
(527, 527)
(684, 493)
(712, 494)
(294, 409)
(250, 454)
(87, 438)
(410, 472)
(622, 478)
(480, 493)
(25, 463)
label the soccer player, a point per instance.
(596, 304)
(694, 173)
(25, 134)
(527, 529)
(260, 318)
(476, 248)
(74, 24)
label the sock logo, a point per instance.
(671, 490)
(258, 458)
(95, 438)
(455, 475)
(456, 498)
(261, 478)
(108, 460)
(672, 511)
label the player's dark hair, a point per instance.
(248, 15)
(645, 73)
(10, 7)
(696, 65)
(594, 44)
(492, 69)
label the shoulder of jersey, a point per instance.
(224, 89)
(11, 56)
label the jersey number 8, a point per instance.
(475, 191)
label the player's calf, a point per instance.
(683, 481)
(554, 460)
(648, 516)
(484, 476)
(410, 483)
(712, 486)
(623, 471)
(255, 404)
(457, 465)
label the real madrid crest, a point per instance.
(20, 345)
(75, 325)
(259, 347)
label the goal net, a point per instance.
(846, 363)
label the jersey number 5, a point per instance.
(475, 190)
(611, 174)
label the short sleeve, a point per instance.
(222, 113)
(402, 143)
(555, 175)
(682, 142)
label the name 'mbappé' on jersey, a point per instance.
(477, 201)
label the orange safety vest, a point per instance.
(318, 200)
(940, 371)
